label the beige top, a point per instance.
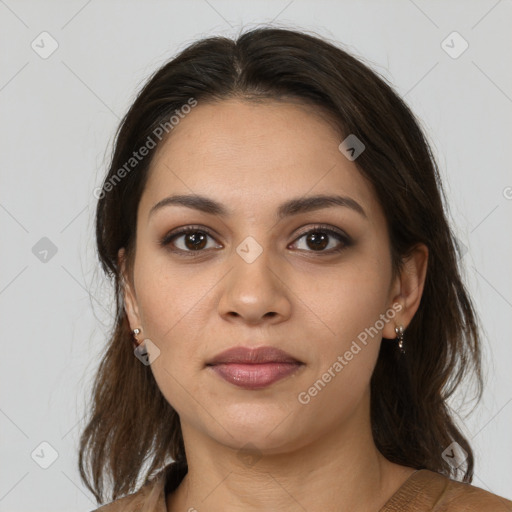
(423, 491)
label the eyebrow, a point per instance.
(287, 209)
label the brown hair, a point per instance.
(131, 423)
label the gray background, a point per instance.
(58, 119)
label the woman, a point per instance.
(273, 223)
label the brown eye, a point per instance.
(195, 240)
(189, 239)
(317, 240)
(320, 238)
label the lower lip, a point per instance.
(256, 375)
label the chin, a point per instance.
(270, 432)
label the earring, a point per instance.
(400, 335)
(136, 332)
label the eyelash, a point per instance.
(168, 238)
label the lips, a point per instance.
(253, 368)
(246, 355)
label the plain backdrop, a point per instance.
(59, 112)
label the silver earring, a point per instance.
(400, 335)
(136, 332)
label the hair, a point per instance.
(130, 423)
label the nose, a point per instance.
(256, 292)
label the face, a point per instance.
(311, 282)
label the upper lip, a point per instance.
(249, 355)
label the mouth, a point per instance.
(254, 368)
(245, 355)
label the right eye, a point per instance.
(188, 240)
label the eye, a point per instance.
(194, 239)
(188, 239)
(321, 237)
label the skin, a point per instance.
(252, 157)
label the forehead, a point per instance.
(252, 154)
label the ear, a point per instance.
(407, 289)
(130, 300)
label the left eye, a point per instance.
(320, 239)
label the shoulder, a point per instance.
(132, 503)
(457, 496)
(150, 497)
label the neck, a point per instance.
(339, 470)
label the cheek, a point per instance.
(169, 305)
(345, 357)
(175, 308)
(348, 297)
(167, 295)
(350, 304)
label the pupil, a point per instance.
(197, 240)
(318, 240)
